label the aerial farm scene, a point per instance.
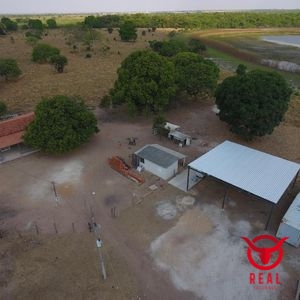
(150, 150)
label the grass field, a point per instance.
(90, 78)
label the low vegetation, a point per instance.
(59, 62)
(9, 68)
(42, 53)
(127, 32)
(3, 108)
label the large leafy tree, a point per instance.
(195, 74)
(146, 82)
(61, 124)
(127, 32)
(9, 68)
(253, 103)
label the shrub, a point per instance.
(59, 62)
(35, 24)
(3, 108)
(9, 24)
(51, 23)
(9, 68)
(41, 53)
(127, 32)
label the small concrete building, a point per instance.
(160, 161)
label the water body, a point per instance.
(291, 40)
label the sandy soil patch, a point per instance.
(204, 253)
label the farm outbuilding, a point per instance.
(12, 130)
(260, 174)
(290, 224)
(158, 160)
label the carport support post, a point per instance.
(269, 217)
(188, 179)
(224, 198)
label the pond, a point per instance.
(292, 40)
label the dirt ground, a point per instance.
(46, 249)
(66, 264)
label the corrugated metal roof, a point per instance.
(259, 173)
(292, 216)
(159, 155)
(179, 135)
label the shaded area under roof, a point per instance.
(261, 174)
(159, 155)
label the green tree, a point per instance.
(196, 46)
(146, 82)
(127, 32)
(59, 62)
(3, 108)
(35, 24)
(9, 24)
(2, 29)
(9, 68)
(61, 124)
(41, 53)
(253, 104)
(51, 23)
(195, 74)
(158, 127)
(170, 47)
(241, 69)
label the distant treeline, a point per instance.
(200, 20)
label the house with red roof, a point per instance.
(13, 129)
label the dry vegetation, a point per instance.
(65, 266)
(90, 78)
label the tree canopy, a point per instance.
(146, 81)
(9, 24)
(200, 20)
(3, 108)
(253, 104)
(59, 62)
(194, 74)
(61, 124)
(51, 23)
(9, 68)
(127, 32)
(168, 47)
(42, 52)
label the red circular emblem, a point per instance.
(265, 254)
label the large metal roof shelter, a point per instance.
(263, 175)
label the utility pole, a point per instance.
(99, 243)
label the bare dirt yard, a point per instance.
(46, 249)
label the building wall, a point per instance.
(164, 173)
